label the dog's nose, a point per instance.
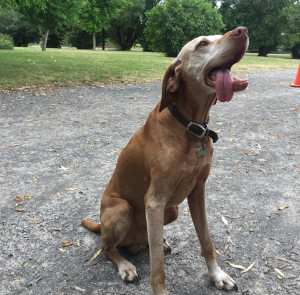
(239, 31)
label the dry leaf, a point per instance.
(6, 176)
(70, 189)
(59, 195)
(283, 207)
(62, 168)
(66, 243)
(218, 252)
(235, 217)
(185, 212)
(248, 268)
(261, 160)
(80, 289)
(252, 211)
(236, 266)
(239, 229)
(280, 272)
(62, 250)
(96, 255)
(230, 241)
(224, 220)
(19, 209)
(226, 248)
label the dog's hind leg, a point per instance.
(116, 223)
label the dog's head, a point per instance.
(203, 66)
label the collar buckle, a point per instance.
(196, 129)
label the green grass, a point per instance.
(25, 67)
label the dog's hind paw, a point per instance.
(128, 272)
(167, 247)
(222, 280)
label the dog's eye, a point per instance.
(203, 43)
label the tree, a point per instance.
(128, 27)
(22, 32)
(95, 15)
(263, 18)
(49, 15)
(291, 29)
(173, 23)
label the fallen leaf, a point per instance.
(185, 212)
(62, 168)
(80, 289)
(70, 189)
(6, 176)
(248, 268)
(218, 252)
(96, 255)
(239, 229)
(236, 266)
(237, 170)
(261, 160)
(230, 241)
(224, 220)
(275, 136)
(280, 272)
(59, 195)
(226, 248)
(66, 243)
(283, 207)
(62, 250)
(235, 217)
(19, 209)
(252, 211)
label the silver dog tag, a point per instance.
(202, 152)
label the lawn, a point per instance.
(23, 67)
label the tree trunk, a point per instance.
(103, 39)
(263, 51)
(94, 42)
(45, 39)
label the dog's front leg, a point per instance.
(198, 211)
(155, 219)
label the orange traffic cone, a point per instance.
(297, 80)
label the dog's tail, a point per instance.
(92, 226)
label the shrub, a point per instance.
(172, 23)
(6, 42)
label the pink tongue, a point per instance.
(224, 85)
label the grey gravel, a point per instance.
(71, 138)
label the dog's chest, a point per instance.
(193, 169)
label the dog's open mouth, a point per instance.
(225, 84)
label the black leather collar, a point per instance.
(199, 130)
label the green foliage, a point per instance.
(263, 18)
(22, 32)
(95, 15)
(6, 42)
(173, 23)
(291, 29)
(129, 27)
(81, 39)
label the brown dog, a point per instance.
(169, 159)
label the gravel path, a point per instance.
(58, 149)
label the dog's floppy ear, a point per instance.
(170, 85)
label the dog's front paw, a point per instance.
(128, 272)
(222, 280)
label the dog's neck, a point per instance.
(194, 104)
